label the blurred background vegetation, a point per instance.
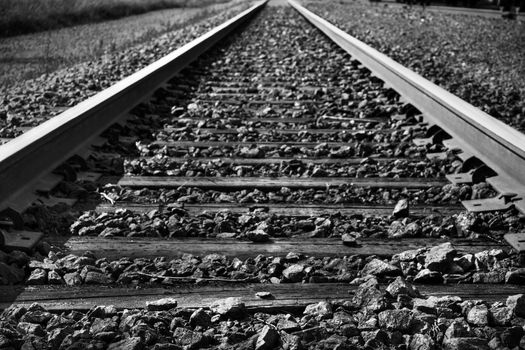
(59, 36)
(27, 16)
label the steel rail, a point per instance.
(469, 11)
(498, 145)
(40, 150)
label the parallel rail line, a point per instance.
(498, 145)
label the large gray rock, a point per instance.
(94, 277)
(495, 343)
(398, 229)
(376, 339)
(492, 277)
(395, 320)
(517, 304)
(466, 261)
(412, 229)
(409, 255)
(59, 321)
(251, 152)
(162, 304)
(72, 262)
(446, 301)
(401, 209)
(13, 312)
(439, 258)
(287, 324)
(421, 342)
(36, 314)
(56, 336)
(258, 236)
(400, 286)
(103, 311)
(291, 341)
(189, 339)
(500, 316)
(516, 276)
(487, 258)
(54, 278)
(349, 240)
(73, 279)
(367, 293)
(232, 307)
(128, 320)
(368, 321)
(341, 318)
(422, 323)
(458, 329)
(200, 318)
(38, 276)
(31, 328)
(264, 295)
(33, 342)
(322, 309)
(44, 265)
(429, 277)
(478, 315)
(268, 338)
(294, 273)
(100, 325)
(292, 257)
(379, 268)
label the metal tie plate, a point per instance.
(516, 240)
(503, 202)
(20, 240)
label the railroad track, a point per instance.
(275, 165)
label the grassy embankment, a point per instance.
(27, 56)
(28, 16)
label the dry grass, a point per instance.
(28, 56)
(27, 16)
